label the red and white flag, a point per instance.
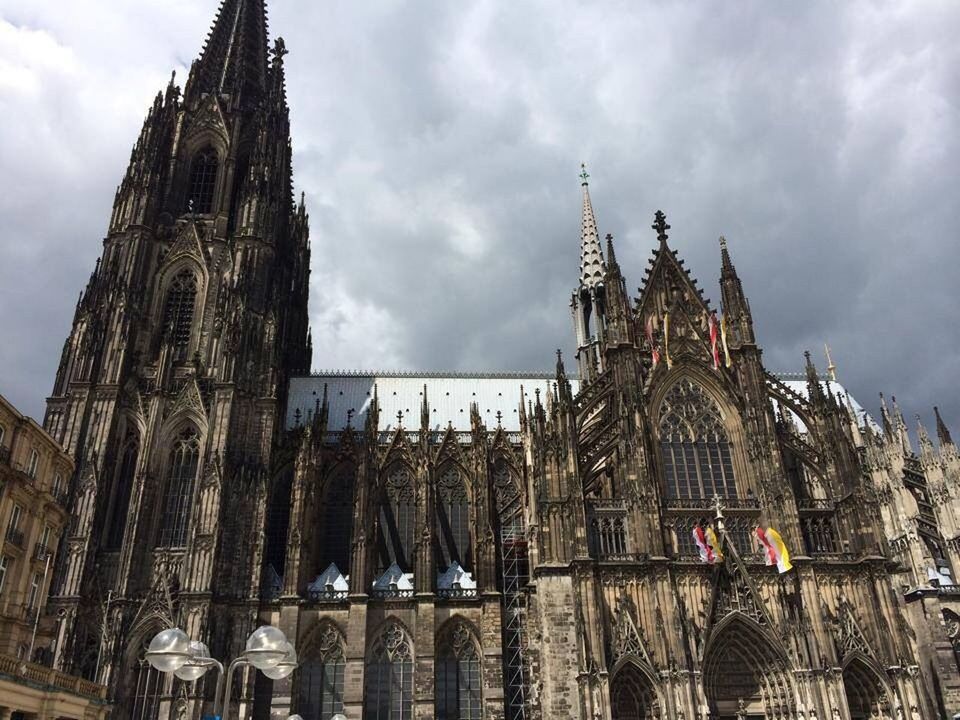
(654, 351)
(707, 545)
(712, 323)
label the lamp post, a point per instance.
(267, 649)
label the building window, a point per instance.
(34, 462)
(14, 534)
(388, 694)
(337, 520)
(458, 695)
(452, 534)
(178, 313)
(203, 182)
(608, 535)
(57, 485)
(4, 563)
(181, 474)
(126, 473)
(694, 445)
(397, 521)
(321, 678)
(43, 546)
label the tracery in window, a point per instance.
(126, 472)
(694, 445)
(181, 475)
(178, 312)
(321, 677)
(452, 532)
(337, 519)
(397, 520)
(203, 181)
(388, 691)
(458, 683)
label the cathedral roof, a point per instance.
(449, 394)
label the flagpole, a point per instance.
(103, 635)
(36, 621)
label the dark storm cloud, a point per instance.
(438, 145)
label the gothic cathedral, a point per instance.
(505, 547)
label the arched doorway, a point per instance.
(632, 695)
(744, 676)
(866, 692)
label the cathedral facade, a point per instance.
(468, 546)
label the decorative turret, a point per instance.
(589, 302)
(735, 304)
(900, 426)
(943, 433)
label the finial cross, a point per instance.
(660, 225)
(399, 417)
(583, 173)
(499, 417)
(718, 507)
(349, 416)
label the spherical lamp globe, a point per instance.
(168, 650)
(266, 647)
(197, 665)
(283, 668)
(299, 717)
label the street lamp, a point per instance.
(283, 668)
(267, 649)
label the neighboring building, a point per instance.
(467, 546)
(34, 472)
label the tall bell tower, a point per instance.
(172, 382)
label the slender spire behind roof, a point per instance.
(592, 267)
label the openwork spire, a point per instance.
(234, 58)
(592, 267)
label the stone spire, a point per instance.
(943, 432)
(735, 304)
(592, 266)
(234, 57)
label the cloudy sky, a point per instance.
(439, 144)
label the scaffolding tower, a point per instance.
(515, 575)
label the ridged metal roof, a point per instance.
(449, 395)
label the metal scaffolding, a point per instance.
(515, 576)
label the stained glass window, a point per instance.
(694, 445)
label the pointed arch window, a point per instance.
(337, 522)
(321, 678)
(452, 533)
(397, 520)
(458, 684)
(203, 182)
(126, 473)
(694, 445)
(388, 693)
(178, 310)
(181, 475)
